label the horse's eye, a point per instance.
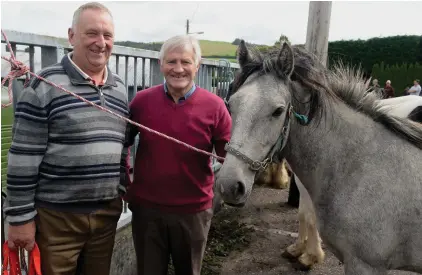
(278, 111)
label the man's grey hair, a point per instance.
(388, 82)
(185, 42)
(88, 6)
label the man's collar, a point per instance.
(77, 75)
(186, 96)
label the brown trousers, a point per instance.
(61, 236)
(157, 235)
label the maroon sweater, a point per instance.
(168, 175)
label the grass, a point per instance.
(217, 48)
(210, 49)
(226, 235)
(7, 116)
(6, 139)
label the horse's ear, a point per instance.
(286, 60)
(243, 55)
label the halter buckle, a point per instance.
(259, 165)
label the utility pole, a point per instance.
(187, 26)
(317, 44)
(318, 29)
(187, 29)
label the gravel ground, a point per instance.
(267, 212)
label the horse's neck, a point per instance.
(319, 152)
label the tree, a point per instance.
(420, 51)
(281, 40)
(236, 42)
(390, 50)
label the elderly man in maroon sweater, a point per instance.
(172, 190)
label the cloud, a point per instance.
(259, 22)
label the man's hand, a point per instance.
(21, 236)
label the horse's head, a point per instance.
(260, 109)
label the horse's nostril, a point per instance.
(241, 189)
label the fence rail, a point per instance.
(138, 68)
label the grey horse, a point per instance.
(360, 164)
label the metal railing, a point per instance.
(137, 67)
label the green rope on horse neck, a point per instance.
(302, 118)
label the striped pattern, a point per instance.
(64, 150)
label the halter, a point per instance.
(275, 151)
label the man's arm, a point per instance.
(412, 89)
(29, 143)
(131, 132)
(222, 131)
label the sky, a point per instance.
(256, 22)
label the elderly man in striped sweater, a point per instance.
(67, 157)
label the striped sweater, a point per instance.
(63, 150)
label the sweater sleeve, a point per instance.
(222, 131)
(130, 134)
(29, 143)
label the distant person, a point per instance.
(416, 88)
(375, 88)
(375, 84)
(388, 90)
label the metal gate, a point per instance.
(225, 76)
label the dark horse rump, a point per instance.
(416, 114)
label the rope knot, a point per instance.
(18, 69)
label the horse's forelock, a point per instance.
(255, 64)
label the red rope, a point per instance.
(19, 69)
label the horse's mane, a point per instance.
(326, 87)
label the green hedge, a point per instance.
(366, 53)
